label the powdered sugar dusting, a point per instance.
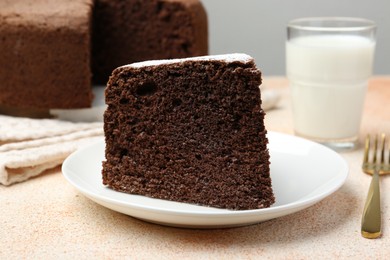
(234, 57)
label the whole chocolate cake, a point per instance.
(188, 130)
(50, 49)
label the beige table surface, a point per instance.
(46, 218)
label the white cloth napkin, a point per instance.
(29, 147)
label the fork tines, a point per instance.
(379, 155)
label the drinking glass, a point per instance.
(329, 61)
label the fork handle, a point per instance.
(371, 220)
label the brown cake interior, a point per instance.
(190, 132)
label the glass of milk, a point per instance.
(328, 63)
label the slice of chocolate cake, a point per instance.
(188, 130)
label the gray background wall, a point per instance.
(258, 27)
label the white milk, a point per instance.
(328, 76)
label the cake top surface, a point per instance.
(228, 58)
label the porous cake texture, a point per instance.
(188, 130)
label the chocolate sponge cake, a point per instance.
(188, 130)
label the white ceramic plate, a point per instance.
(303, 173)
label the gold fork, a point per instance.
(371, 220)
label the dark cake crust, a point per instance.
(191, 132)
